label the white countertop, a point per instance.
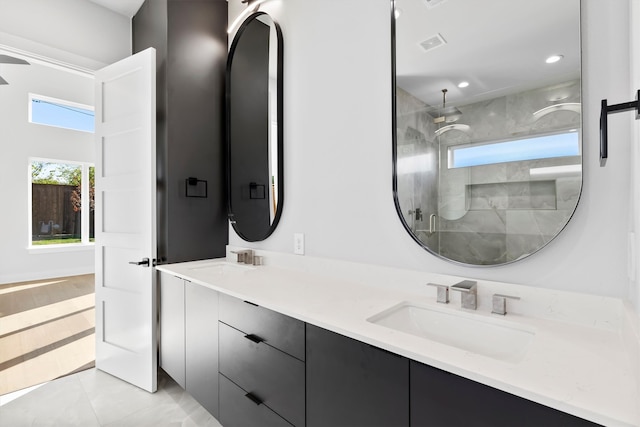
(583, 359)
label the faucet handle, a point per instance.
(443, 293)
(499, 303)
(245, 256)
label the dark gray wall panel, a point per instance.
(191, 39)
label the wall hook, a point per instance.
(604, 112)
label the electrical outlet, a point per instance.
(298, 243)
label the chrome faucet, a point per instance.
(244, 256)
(469, 296)
(443, 293)
(499, 303)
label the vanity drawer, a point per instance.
(237, 410)
(275, 377)
(277, 330)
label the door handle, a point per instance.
(145, 262)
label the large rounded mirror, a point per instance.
(487, 124)
(254, 128)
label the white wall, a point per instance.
(76, 32)
(337, 130)
(21, 140)
(634, 217)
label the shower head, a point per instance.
(446, 114)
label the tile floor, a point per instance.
(94, 398)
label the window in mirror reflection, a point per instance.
(541, 147)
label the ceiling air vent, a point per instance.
(433, 3)
(433, 42)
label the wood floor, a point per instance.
(47, 330)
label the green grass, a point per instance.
(57, 241)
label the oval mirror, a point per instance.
(487, 124)
(254, 128)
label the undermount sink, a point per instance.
(492, 337)
(222, 267)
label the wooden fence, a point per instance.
(53, 213)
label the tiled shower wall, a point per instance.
(485, 214)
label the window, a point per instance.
(59, 113)
(62, 202)
(538, 147)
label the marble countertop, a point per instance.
(580, 360)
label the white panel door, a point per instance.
(125, 194)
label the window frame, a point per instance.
(62, 102)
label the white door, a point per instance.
(125, 219)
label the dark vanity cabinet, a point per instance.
(350, 383)
(262, 366)
(189, 338)
(251, 366)
(172, 327)
(439, 398)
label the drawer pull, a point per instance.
(256, 339)
(250, 303)
(253, 398)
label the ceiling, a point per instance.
(498, 46)
(127, 8)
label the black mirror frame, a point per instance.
(394, 157)
(279, 113)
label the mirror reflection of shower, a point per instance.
(417, 169)
(488, 133)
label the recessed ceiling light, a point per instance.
(463, 84)
(554, 58)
